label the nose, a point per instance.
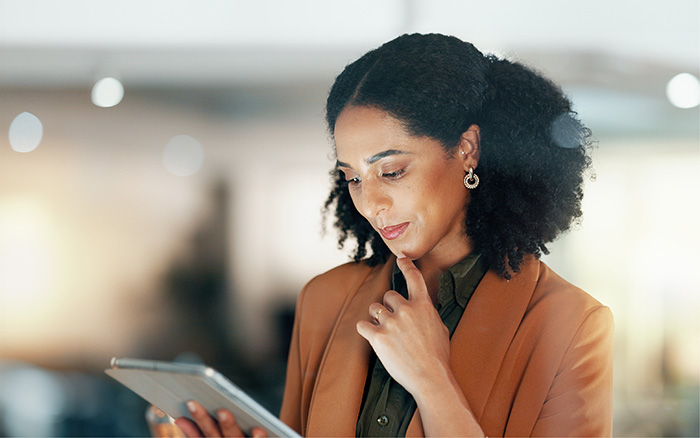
(374, 199)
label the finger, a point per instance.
(188, 427)
(206, 424)
(377, 311)
(366, 329)
(415, 283)
(258, 432)
(393, 300)
(227, 424)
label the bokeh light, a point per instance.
(183, 155)
(107, 92)
(567, 132)
(25, 132)
(683, 91)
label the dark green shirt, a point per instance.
(387, 407)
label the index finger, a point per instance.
(415, 283)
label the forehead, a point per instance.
(368, 131)
(365, 135)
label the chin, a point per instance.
(408, 253)
(396, 251)
(408, 247)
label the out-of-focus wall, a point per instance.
(98, 218)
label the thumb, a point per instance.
(415, 283)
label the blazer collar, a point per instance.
(484, 334)
(340, 384)
(478, 347)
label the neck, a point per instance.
(432, 266)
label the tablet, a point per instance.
(168, 386)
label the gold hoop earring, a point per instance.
(471, 181)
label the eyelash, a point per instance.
(394, 175)
(389, 175)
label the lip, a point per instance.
(393, 231)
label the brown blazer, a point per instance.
(533, 355)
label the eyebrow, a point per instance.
(374, 158)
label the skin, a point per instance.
(400, 187)
(393, 178)
(205, 425)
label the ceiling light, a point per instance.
(684, 91)
(107, 92)
(25, 132)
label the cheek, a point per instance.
(445, 195)
(434, 190)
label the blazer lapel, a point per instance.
(483, 335)
(341, 378)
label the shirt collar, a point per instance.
(457, 283)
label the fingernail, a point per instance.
(191, 406)
(223, 416)
(400, 255)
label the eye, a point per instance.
(394, 175)
(349, 178)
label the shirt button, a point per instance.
(382, 421)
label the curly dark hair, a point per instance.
(533, 148)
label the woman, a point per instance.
(454, 170)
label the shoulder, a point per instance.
(571, 349)
(552, 291)
(343, 273)
(334, 284)
(565, 309)
(322, 299)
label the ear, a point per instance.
(469, 147)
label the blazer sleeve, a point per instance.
(579, 402)
(290, 412)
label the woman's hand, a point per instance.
(413, 344)
(408, 335)
(204, 425)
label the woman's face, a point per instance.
(407, 187)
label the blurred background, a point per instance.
(163, 167)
